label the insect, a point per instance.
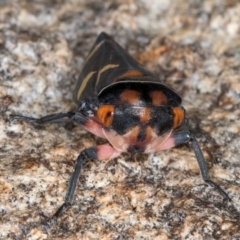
(121, 101)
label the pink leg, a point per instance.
(94, 127)
(106, 152)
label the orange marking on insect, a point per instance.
(132, 73)
(130, 96)
(158, 98)
(178, 116)
(145, 114)
(105, 114)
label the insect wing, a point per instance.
(106, 63)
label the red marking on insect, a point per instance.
(144, 114)
(131, 73)
(158, 98)
(130, 96)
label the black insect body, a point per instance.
(121, 101)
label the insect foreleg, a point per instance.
(42, 120)
(204, 169)
(100, 152)
(187, 137)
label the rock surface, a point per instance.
(192, 45)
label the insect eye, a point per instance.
(105, 114)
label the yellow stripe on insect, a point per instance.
(105, 68)
(94, 50)
(84, 83)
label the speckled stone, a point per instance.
(192, 45)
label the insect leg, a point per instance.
(83, 157)
(42, 120)
(100, 152)
(186, 137)
(204, 169)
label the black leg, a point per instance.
(42, 120)
(76, 116)
(204, 169)
(185, 137)
(84, 156)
